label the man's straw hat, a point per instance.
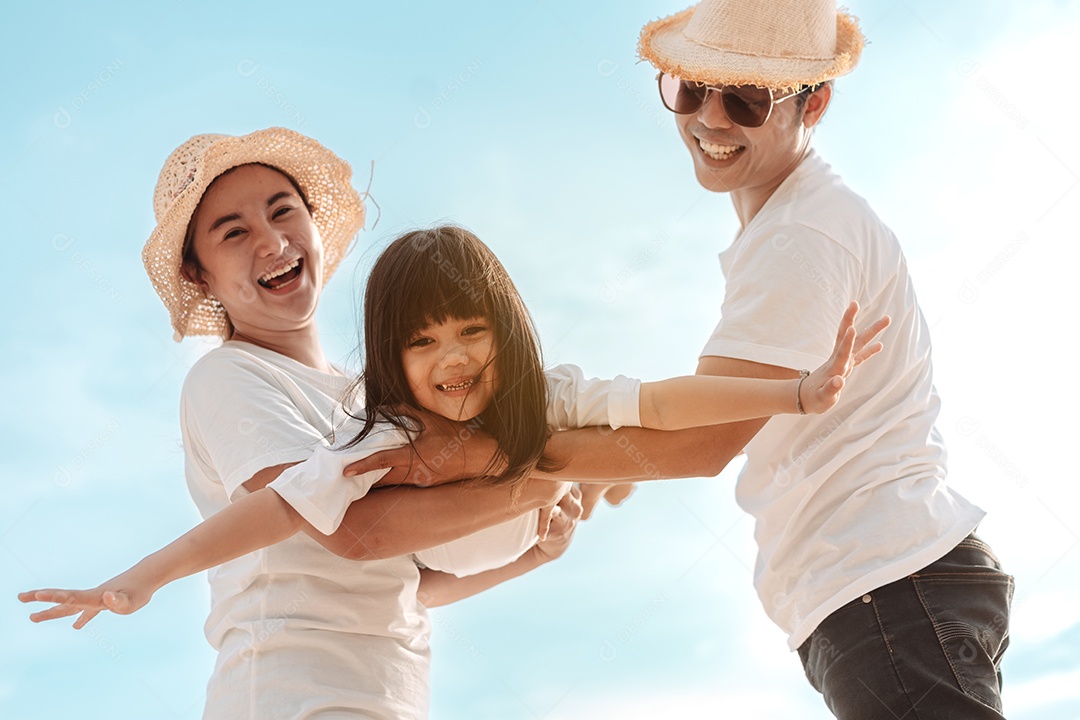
(779, 44)
(324, 178)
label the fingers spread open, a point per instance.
(57, 611)
(848, 320)
(867, 336)
(841, 360)
(52, 595)
(868, 352)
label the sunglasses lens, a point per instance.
(680, 96)
(747, 105)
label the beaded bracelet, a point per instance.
(803, 374)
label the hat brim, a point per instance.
(664, 44)
(325, 179)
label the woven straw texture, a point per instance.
(781, 44)
(337, 211)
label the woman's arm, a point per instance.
(251, 523)
(394, 521)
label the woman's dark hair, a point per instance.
(444, 273)
(188, 256)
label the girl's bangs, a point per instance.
(442, 289)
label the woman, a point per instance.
(249, 229)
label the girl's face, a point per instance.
(450, 367)
(259, 250)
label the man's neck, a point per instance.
(749, 201)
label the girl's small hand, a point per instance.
(118, 595)
(821, 388)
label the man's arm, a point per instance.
(400, 520)
(631, 454)
(589, 454)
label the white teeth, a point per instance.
(280, 271)
(457, 386)
(718, 152)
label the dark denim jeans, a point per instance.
(926, 647)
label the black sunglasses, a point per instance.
(746, 105)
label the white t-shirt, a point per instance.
(855, 498)
(298, 630)
(319, 491)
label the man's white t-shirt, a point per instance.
(298, 630)
(855, 498)
(319, 491)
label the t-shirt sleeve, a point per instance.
(575, 402)
(318, 489)
(786, 292)
(484, 550)
(239, 418)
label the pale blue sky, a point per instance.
(532, 124)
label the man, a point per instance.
(865, 557)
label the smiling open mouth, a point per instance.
(720, 152)
(463, 385)
(283, 275)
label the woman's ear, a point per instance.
(190, 272)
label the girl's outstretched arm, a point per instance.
(253, 522)
(627, 454)
(699, 400)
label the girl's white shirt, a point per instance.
(320, 492)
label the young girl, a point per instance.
(446, 333)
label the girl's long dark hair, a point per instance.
(430, 276)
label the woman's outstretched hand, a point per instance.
(123, 595)
(821, 388)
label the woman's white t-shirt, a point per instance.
(319, 491)
(300, 632)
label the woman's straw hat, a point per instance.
(779, 44)
(336, 208)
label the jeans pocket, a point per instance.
(970, 615)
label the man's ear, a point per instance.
(816, 105)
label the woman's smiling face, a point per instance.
(450, 367)
(258, 251)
